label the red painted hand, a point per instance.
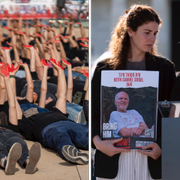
(4, 70)
(11, 68)
(44, 62)
(54, 63)
(27, 46)
(5, 48)
(84, 45)
(78, 23)
(64, 37)
(55, 41)
(5, 27)
(38, 35)
(57, 36)
(65, 62)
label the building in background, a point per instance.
(105, 14)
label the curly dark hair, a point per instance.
(120, 40)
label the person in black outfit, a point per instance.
(133, 48)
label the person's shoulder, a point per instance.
(114, 113)
(162, 60)
(104, 65)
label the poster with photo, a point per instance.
(129, 107)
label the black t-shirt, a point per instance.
(32, 127)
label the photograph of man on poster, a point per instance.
(129, 122)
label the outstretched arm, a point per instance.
(61, 91)
(42, 100)
(69, 80)
(11, 96)
(2, 91)
(81, 29)
(30, 85)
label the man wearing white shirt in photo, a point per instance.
(129, 122)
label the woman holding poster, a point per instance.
(133, 48)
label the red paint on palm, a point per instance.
(37, 25)
(4, 70)
(20, 32)
(21, 63)
(78, 23)
(86, 74)
(11, 68)
(85, 39)
(45, 63)
(53, 60)
(64, 37)
(57, 36)
(27, 46)
(65, 62)
(84, 45)
(55, 41)
(38, 34)
(5, 48)
(5, 27)
(60, 66)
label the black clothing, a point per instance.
(106, 166)
(31, 127)
(77, 84)
(51, 90)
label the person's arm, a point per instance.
(61, 91)
(42, 100)
(60, 27)
(40, 48)
(7, 53)
(69, 80)
(142, 125)
(10, 93)
(2, 91)
(71, 29)
(107, 146)
(30, 84)
(11, 100)
(16, 53)
(39, 66)
(26, 27)
(1, 36)
(73, 43)
(55, 50)
(27, 51)
(155, 152)
(13, 71)
(82, 29)
(19, 22)
(126, 132)
(53, 57)
(32, 60)
(9, 25)
(62, 51)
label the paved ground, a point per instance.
(50, 167)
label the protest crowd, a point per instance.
(43, 92)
